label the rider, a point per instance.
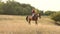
(33, 12)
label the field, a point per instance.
(18, 25)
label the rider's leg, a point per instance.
(32, 14)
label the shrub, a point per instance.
(56, 17)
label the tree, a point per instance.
(15, 8)
(1, 7)
(12, 7)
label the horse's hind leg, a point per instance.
(29, 21)
(27, 18)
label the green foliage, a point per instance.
(56, 17)
(15, 8)
(41, 12)
(1, 7)
(12, 7)
(49, 12)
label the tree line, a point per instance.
(15, 8)
(54, 15)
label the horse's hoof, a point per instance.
(29, 23)
(36, 23)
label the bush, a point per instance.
(56, 17)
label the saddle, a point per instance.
(33, 17)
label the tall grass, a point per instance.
(18, 25)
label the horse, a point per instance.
(34, 18)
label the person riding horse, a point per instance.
(34, 17)
(33, 12)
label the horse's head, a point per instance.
(36, 15)
(39, 15)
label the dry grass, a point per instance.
(18, 25)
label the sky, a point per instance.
(53, 5)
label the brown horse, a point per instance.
(34, 18)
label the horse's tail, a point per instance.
(27, 18)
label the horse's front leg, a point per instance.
(36, 22)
